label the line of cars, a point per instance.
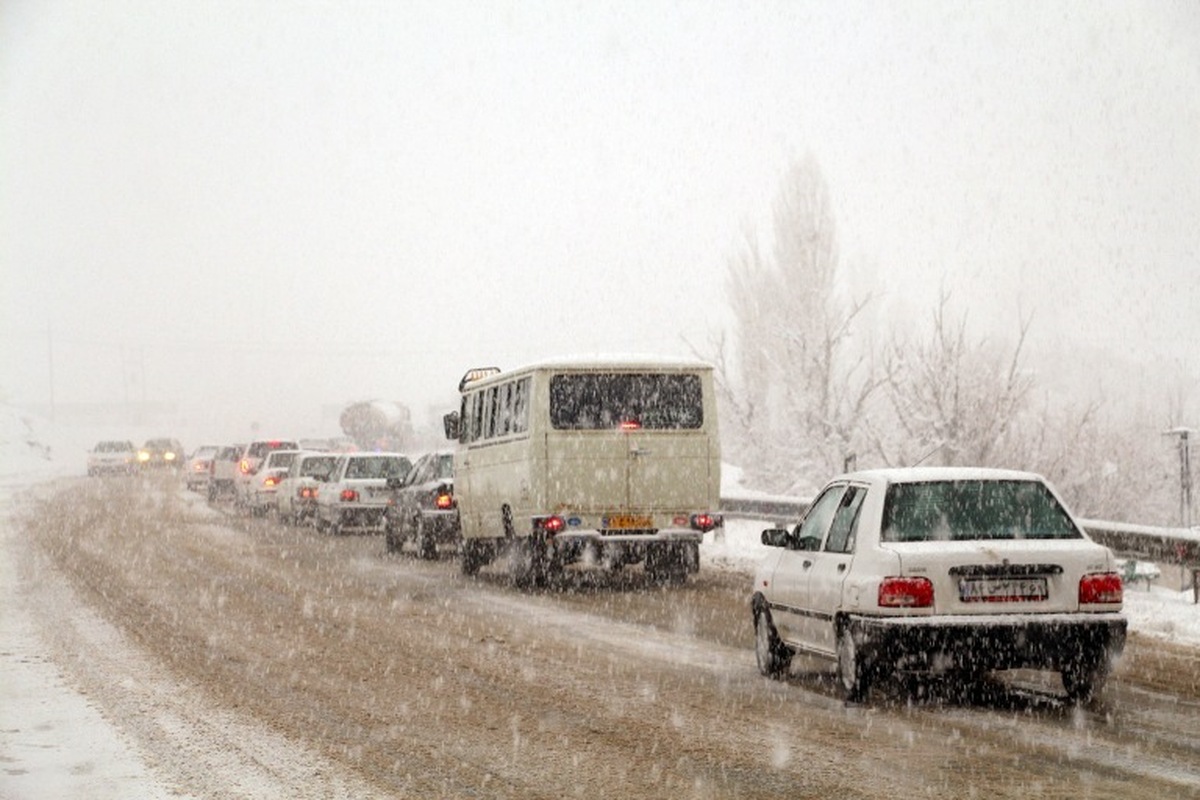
(336, 489)
(948, 573)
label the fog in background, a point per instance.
(254, 211)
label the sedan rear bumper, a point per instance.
(994, 641)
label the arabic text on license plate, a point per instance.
(1000, 590)
(628, 521)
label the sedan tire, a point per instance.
(426, 546)
(1084, 679)
(773, 656)
(853, 670)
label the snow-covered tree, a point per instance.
(794, 386)
(954, 400)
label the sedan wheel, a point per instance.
(426, 546)
(852, 670)
(772, 655)
(1084, 679)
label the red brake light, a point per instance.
(1101, 587)
(905, 593)
(443, 501)
(630, 425)
(349, 496)
(551, 525)
(244, 466)
(271, 480)
(705, 522)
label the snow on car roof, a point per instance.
(924, 474)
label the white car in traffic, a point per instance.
(296, 493)
(263, 482)
(114, 456)
(945, 571)
(251, 457)
(356, 495)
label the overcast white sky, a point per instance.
(270, 206)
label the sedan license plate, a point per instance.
(628, 521)
(1001, 590)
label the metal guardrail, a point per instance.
(770, 509)
(1164, 545)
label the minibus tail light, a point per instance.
(550, 525)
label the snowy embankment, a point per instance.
(54, 742)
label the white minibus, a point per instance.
(607, 462)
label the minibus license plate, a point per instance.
(628, 521)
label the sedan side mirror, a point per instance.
(775, 537)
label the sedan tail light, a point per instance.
(705, 522)
(906, 593)
(349, 496)
(1101, 587)
(444, 501)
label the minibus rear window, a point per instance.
(607, 401)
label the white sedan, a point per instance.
(263, 481)
(355, 497)
(113, 456)
(296, 493)
(939, 571)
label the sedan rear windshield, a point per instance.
(973, 510)
(260, 449)
(280, 460)
(320, 465)
(378, 467)
(590, 401)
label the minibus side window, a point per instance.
(520, 413)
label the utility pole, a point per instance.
(1185, 501)
(1185, 473)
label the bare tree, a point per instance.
(954, 401)
(795, 386)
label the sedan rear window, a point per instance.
(260, 449)
(377, 467)
(319, 466)
(974, 510)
